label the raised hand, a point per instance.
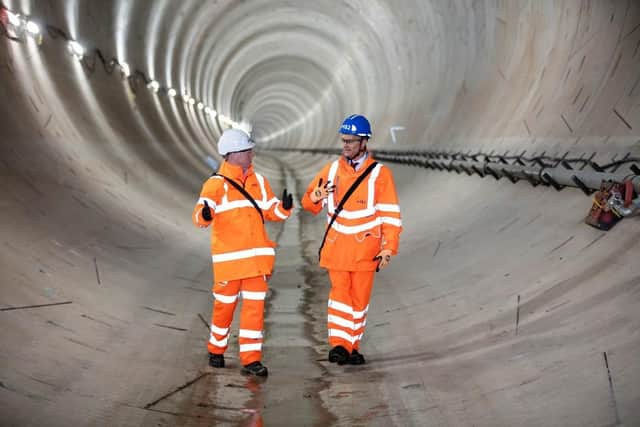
(321, 192)
(287, 200)
(206, 212)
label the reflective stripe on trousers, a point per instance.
(347, 307)
(253, 291)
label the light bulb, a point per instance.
(154, 85)
(125, 69)
(76, 48)
(14, 19)
(32, 28)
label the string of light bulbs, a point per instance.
(19, 27)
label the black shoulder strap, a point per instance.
(344, 200)
(244, 193)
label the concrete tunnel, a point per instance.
(503, 307)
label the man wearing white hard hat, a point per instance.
(236, 201)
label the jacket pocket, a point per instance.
(332, 236)
(367, 244)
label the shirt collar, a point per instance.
(357, 164)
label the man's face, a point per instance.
(241, 158)
(351, 145)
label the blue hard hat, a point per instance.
(356, 125)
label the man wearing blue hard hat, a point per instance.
(362, 234)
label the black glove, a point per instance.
(287, 200)
(206, 212)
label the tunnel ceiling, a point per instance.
(444, 73)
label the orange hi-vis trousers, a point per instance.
(348, 306)
(226, 293)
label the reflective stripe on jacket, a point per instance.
(369, 222)
(240, 247)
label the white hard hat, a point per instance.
(233, 140)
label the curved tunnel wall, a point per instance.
(99, 177)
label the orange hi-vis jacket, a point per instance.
(369, 222)
(240, 247)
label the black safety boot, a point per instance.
(339, 355)
(216, 360)
(255, 368)
(356, 358)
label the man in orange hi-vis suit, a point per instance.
(361, 237)
(235, 201)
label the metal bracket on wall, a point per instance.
(555, 171)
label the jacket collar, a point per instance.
(234, 172)
(346, 166)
